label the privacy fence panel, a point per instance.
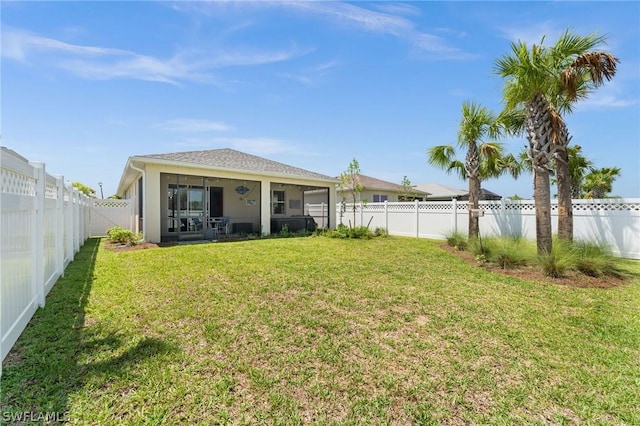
(43, 224)
(106, 214)
(614, 222)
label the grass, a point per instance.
(323, 331)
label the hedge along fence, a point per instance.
(614, 222)
(44, 224)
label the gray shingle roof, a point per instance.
(236, 160)
(383, 185)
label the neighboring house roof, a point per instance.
(441, 192)
(373, 184)
(437, 191)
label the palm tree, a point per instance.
(599, 182)
(481, 162)
(578, 166)
(545, 82)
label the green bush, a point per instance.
(381, 232)
(343, 231)
(457, 239)
(120, 235)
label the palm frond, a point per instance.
(598, 66)
(457, 166)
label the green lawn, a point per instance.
(318, 330)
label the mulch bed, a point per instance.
(574, 279)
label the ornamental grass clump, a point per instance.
(509, 253)
(559, 261)
(595, 259)
(457, 239)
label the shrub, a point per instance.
(381, 232)
(457, 239)
(343, 231)
(120, 235)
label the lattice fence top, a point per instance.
(51, 191)
(603, 205)
(18, 184)
(510, 206)
(111, 203)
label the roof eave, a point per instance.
(174, 163)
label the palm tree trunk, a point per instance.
(542, 199)
(565, 207)
(539, 129)
(472, 166)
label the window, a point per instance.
(277, 202)
(379, 198)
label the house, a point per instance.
(444, 193)
(375, 191)
(195, 195)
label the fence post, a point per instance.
(76, 221)
(60, 225)
(361, 216)
(503, 214)
(38, 232)
(417, 219)
(454, 207)
(322, 213)
(386, 215)
(68, 224)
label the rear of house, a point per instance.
(189, 195)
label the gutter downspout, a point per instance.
(144, 203)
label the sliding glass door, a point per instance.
(185, 207)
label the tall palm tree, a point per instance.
(482, 160)
(545, 82)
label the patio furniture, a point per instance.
(218, 226)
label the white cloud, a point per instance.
(605, 101)
(312, 75)
(191, 125)
(390, 19)
(398, 9)
(18, 45)
(94, 62)
(532, 34)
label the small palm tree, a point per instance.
(599, 182)
(578, 167)
(545, 82)
(482, 160)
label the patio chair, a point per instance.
(197, 224)
(222, 225)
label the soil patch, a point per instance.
(119, 247)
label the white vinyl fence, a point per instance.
(615, 222)
(44, 224)
(108, 213)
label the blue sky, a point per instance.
(85, 85)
